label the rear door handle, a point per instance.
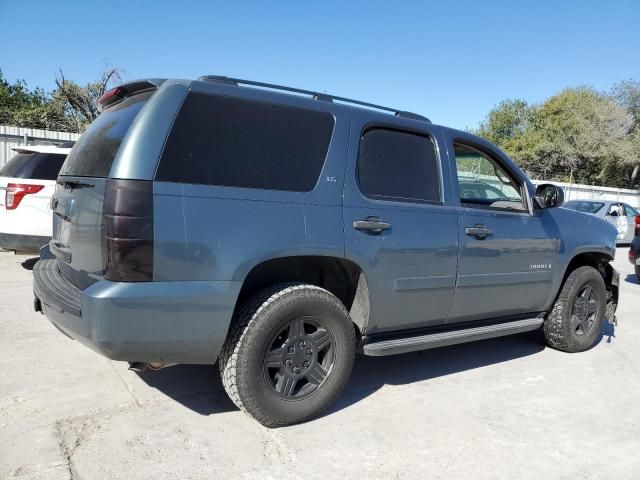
(371, 224)
(479, 231)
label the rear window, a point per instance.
(36, 166)
(585, 207)
(228, 141)
(95, 150)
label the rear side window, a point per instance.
(401, 166)
(36, 166)
(95, 150)
(228, 141)
(630, 211)
(585, 207)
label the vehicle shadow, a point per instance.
(29, 263)
(198, 387)
(372, 373)
(631, 278)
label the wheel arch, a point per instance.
(601, 261)
(343, 278)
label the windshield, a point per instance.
(35, 166)
(586, 207)
(95, 150)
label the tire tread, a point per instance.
(247, 316)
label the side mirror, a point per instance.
(549, 195)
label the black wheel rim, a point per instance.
(584, 310)
(299, 358)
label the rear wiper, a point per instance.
(75, 184)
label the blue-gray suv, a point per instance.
(279, 231)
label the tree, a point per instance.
(509, 120)
(577, 135)
(69, 108)
(22, 107)
(81, 103)
(627, 93)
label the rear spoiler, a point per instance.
(117, 94)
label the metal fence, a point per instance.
(576, 191)
(15, 137)
(572, 191)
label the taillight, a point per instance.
(111, 96)
(637, 224)
(127, 230)
(17, 191)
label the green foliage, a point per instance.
(578, 135)
(69, 108)
(22, 107)
(627, 93)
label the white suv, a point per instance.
(27, 183)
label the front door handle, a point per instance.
(479, 231)
(371, 224)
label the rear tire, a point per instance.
(288, 354)
(637, 269)
(576, 320)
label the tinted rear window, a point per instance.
(234, 142)
(95, 150)
(401, 166)
(36, 166)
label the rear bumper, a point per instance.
(174, 322)
(22, 243)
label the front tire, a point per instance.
(576, 320)
(288, 354)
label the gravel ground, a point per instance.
(502, 408)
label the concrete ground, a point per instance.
(503, 408)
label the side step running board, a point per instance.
(442, 339)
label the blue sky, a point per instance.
(451, 61)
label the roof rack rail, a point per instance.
(315, 95)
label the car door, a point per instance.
(630, 214)
(508, 251)
(616, 216)
(399, 226)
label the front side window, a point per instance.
(616, 210)
(399, 166)
(585, 207)
(483, 182)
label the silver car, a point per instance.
(619, 214)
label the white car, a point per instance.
(27, 183)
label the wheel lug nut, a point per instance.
(306, 364)
(302, 344)
(292, 350)
(296, 370)
(288, 362)
(309, 352)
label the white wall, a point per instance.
(573, 191)
(15, 136)
(593, 192)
